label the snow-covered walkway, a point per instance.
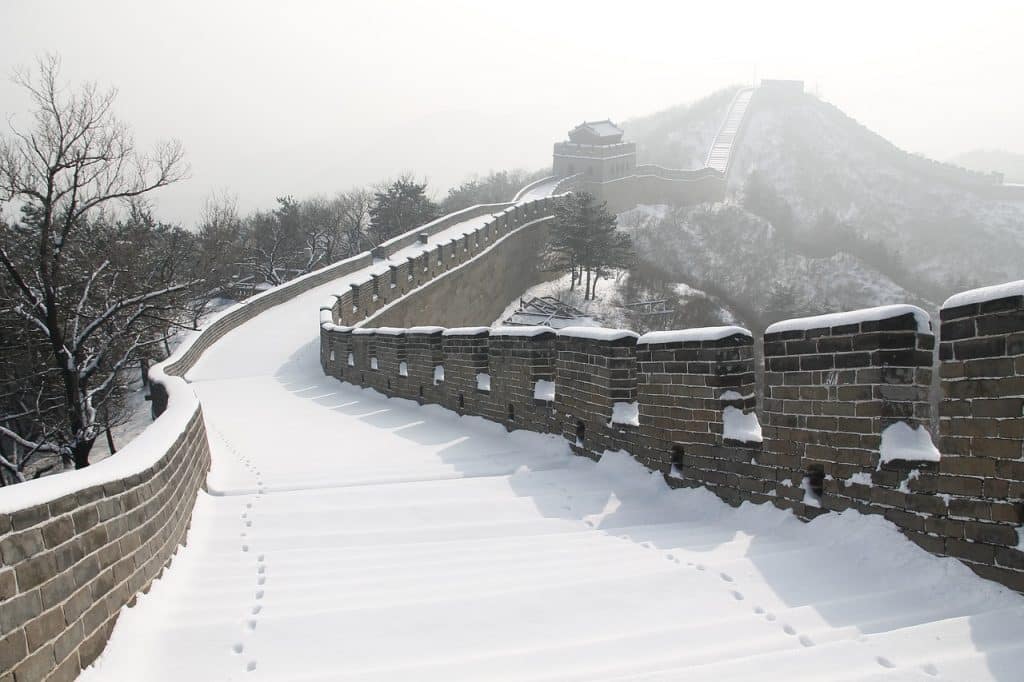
(351, 537)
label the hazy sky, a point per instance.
(273, 97)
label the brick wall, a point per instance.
(832, 385)
(685, 383)
(464, 350)
(468, 267)
(518, 358)
(981, 432)
(835, 389)
(70, 564)
(592, 374)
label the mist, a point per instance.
(313, 97)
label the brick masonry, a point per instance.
(830, 389)
(70, 565)
(470, 269)
(981, 432)
(683, 388)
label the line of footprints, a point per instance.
(730, 582)
(884, 662)
(252, 618)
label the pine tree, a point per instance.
(586, 241)
(399, 207)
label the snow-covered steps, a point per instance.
(721, 148)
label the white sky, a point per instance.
(273, 97)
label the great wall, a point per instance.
(834, 389)
(807, 433)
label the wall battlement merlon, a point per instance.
(812, 435)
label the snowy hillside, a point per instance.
(820, 162)
(725, 249)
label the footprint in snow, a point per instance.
(759, 610)
(930, 669)
(726, 577)
(250, 666)
(884, 662)
(237, 647)
(806, 641)
(789, 629)
(738, 596)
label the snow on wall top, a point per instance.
(465, 331)
(597, 333)
(883, 312)
(985, 294)
(512, 330)
(391, 331)
(698, 334)
(425, 329)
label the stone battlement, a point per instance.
(843, 417)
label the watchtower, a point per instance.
(595, 149)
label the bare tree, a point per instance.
(93, 313)
(220, 244)
(354, 220)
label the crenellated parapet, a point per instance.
(596, 406)
(844, 417)
(696, 396)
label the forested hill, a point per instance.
(822, 213)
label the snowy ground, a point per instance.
(346, 536)
(603, 310)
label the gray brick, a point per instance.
(13, 649)
(14, 613)
(19, 546)
(36, 667)
(36, 571)
(44, 628)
